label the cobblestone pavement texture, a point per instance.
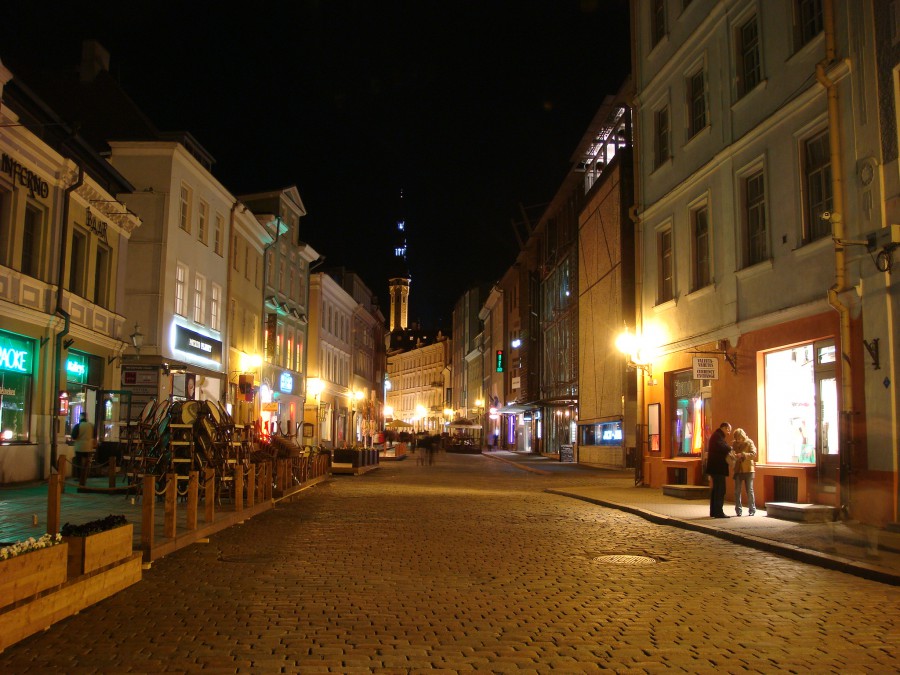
(472, 565)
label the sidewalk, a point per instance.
(845, 546)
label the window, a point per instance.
(247, 262)
(199, 297)
(32, 240)
(217, 237)
(756, 235)
(700, 237)
(5, 227)
(234, 252)
(666, 285)
(78, 262)
(696, 90)
(203, 222)
(16, 384)
(817, 176)
(101, 276)
(215, 307)
(749, 65)
(690, 427)
(180, 290)
(661, 136)
(185, 214)
(657, 21)
(808, 20)
(801, 403)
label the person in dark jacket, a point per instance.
(717, 450)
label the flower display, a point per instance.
(30, 544)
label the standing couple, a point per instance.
(719, 456)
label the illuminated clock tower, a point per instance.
(398, 283)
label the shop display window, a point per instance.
(15, 407)
(687, 423)
(801, 403)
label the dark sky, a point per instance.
(473, 109)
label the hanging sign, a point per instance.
(706, 368)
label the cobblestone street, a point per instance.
(469, 565)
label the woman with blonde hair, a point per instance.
(745, 461)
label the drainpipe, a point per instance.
(840, 264)
(57, 354)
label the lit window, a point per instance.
(215, 303)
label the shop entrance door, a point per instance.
(827, 438)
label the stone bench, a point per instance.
(687, 491)
(801, 513)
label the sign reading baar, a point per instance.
(706, 368)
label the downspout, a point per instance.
(840, 264)
(57, 354)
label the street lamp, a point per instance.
(420, 414)
(638, 351)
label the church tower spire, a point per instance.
(398, 283)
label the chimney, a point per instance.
(94, 60)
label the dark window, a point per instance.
(666, 287)
(657, 21)
(818, 186)
(661, 136)
(32, 234)
(810, 21)
(697, 102)
(700, 227)
(78, 262)
(101, 277)
(755, 219)
(750, 73)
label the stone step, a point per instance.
(687, 491)
(802, 513)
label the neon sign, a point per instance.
(286, 384)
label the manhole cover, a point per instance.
(246, 558)
(624, 560)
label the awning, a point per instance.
(513, 408)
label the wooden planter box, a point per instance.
(30, 573)
(90, 553)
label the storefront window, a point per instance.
(15, 387)
(687, 424)
(801, 403)
(605, 433)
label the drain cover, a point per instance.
(624, 560)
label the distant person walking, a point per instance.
(744, 470)
(717, 450)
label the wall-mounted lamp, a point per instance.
(137, 341)
(638, 353)
(872, 348)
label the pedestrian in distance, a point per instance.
(717, 451)
(744, 468)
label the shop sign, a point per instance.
(95, 225)
(706, 368)
(7, 391)
(36, 186)
(286, 383)
(270, 407)
(76, 369)
(516, 382)
(191, 342)
(15, 353)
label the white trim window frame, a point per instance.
(701, 246)
(665, 264)
(818, 197)
(184, 207)
(181, 274)
(199, 298)
(754, 215)
(215, 307)
(748, 55)
(695, 96)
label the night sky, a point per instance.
(472, 109)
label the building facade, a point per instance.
(63, 254)
(419, 384)
(755, 123)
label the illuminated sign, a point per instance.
(15, 353)
(287, 383)
(611, 433)
(192, 342)
(76, 369)
(499, 360)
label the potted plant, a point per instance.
(31, 566)
(98, 543)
